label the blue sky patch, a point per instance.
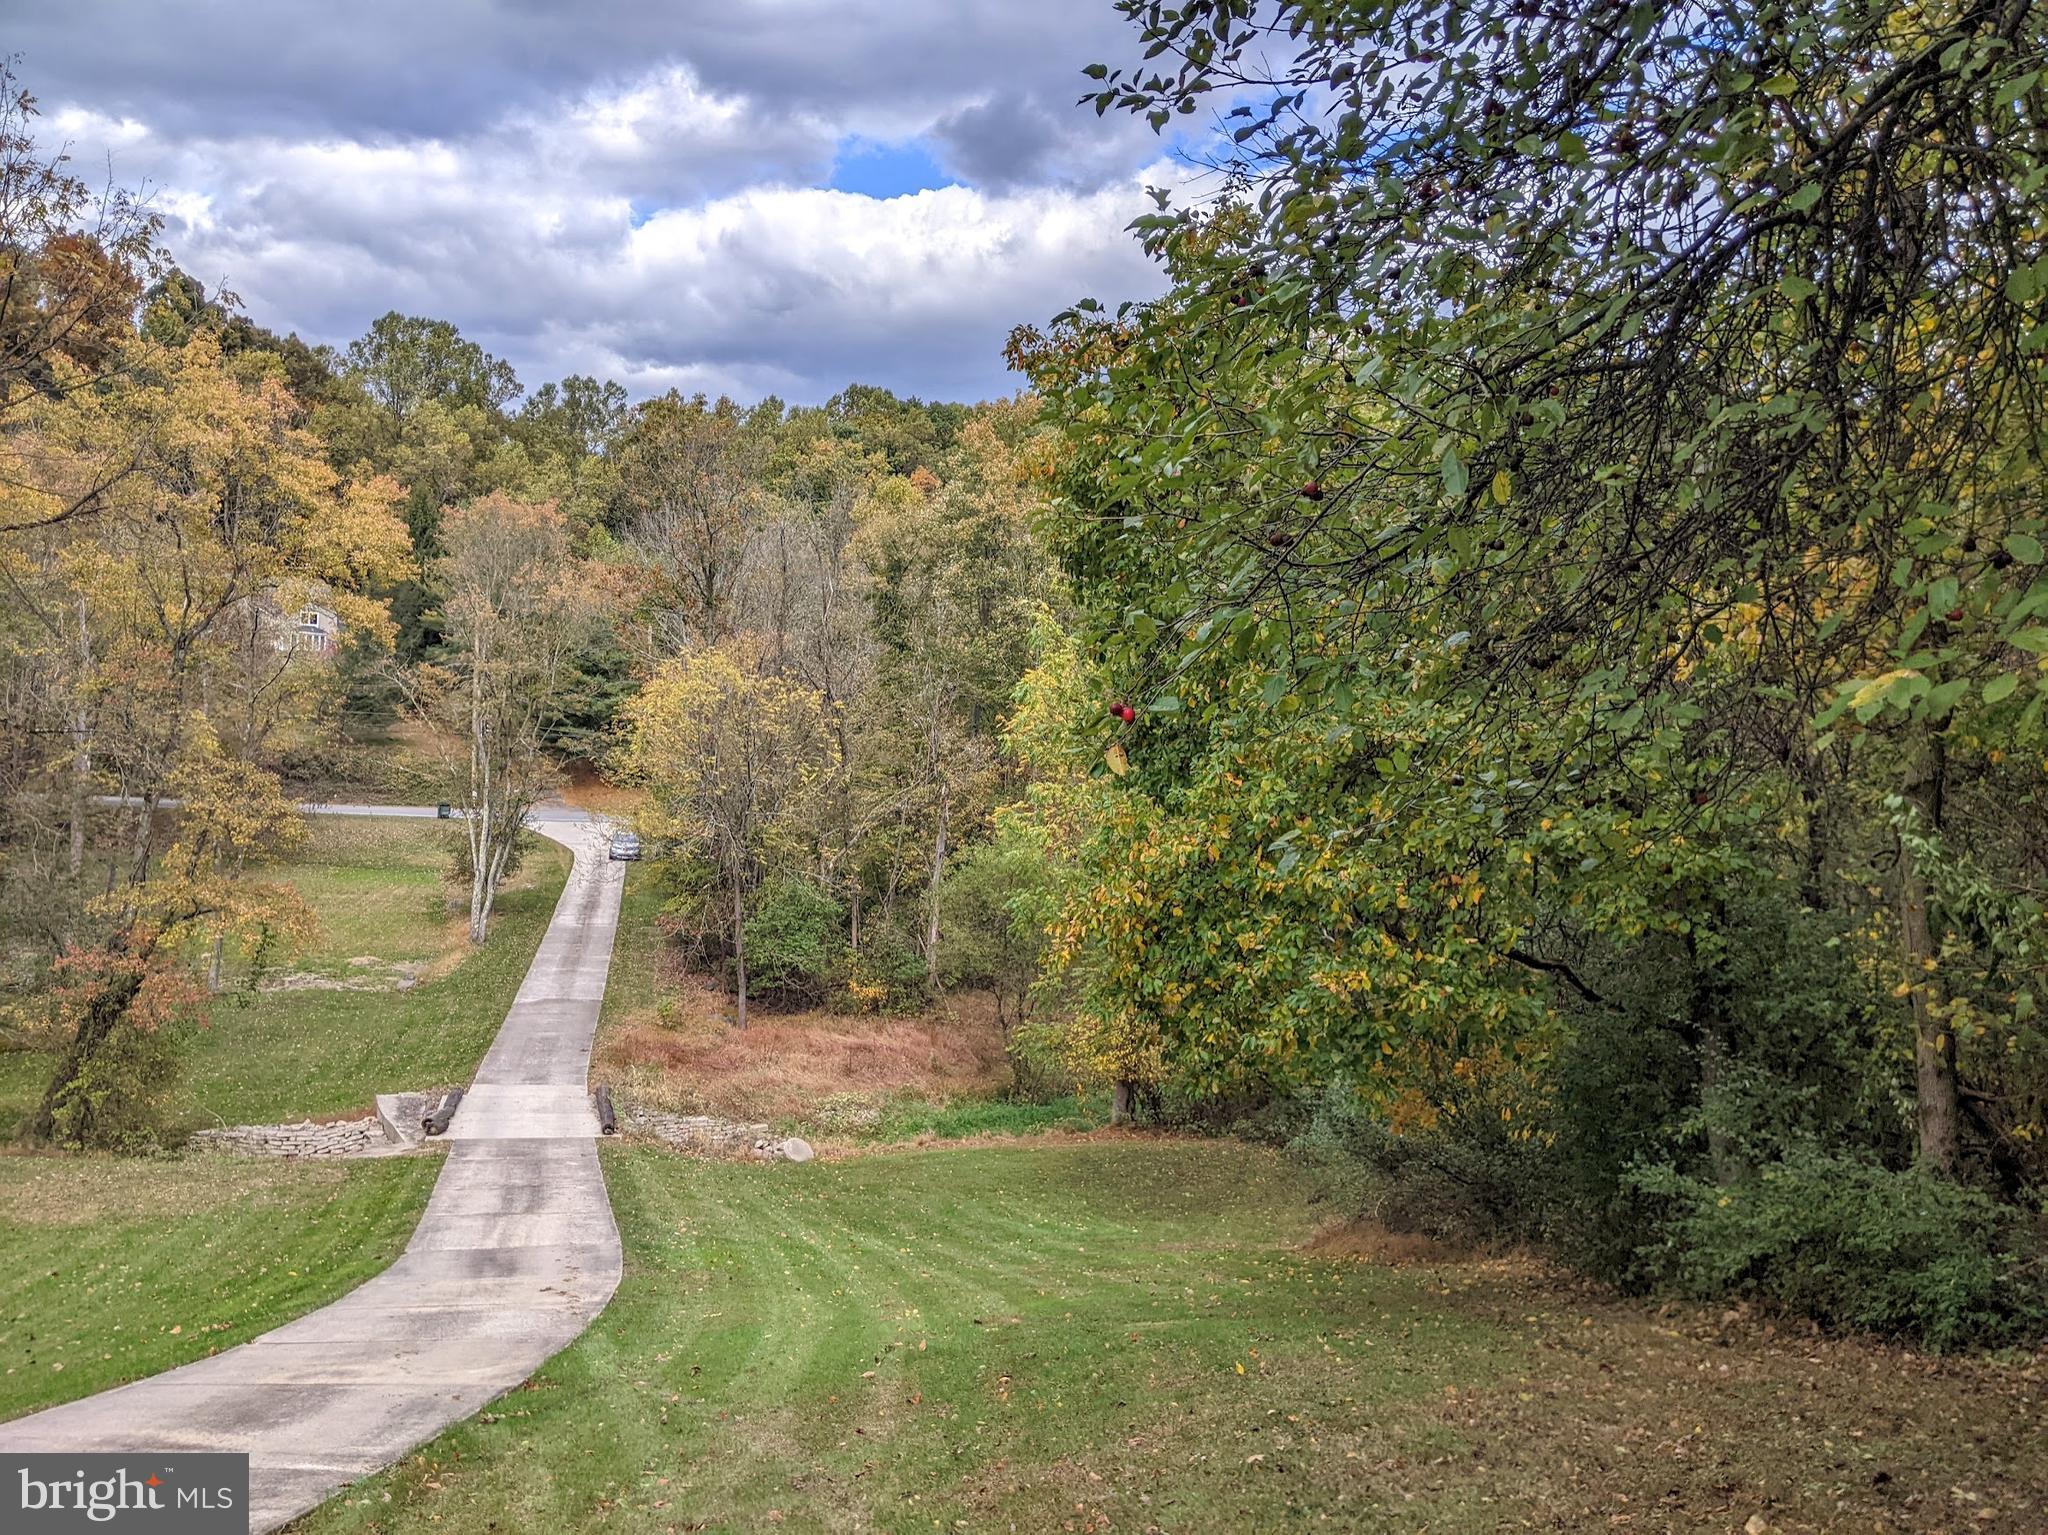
(876, 169)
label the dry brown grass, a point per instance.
(1696, 1418)
(422, 739)
(786, 1065)
(586, 790)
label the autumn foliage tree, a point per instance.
(146, 648)
(114, 1001)
(732, 758)
(516, 606)
(71, 262)
(1623, 420)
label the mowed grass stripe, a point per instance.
(117, 1269)
(979, 1334)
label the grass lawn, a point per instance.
(24, 1077)
(632, 989)
(910, 1119)
(390, 997)
(1135, 1334)
(118, 1268)
(378, 887)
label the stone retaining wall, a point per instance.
(714, 1137)
(345, 1138)
(395, 1128)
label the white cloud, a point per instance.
(653, 229)
(917, 292)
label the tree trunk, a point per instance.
(1813, 795)
(479, 827)
(853, 911)
(1708, 1030)
(143, 847)
(499, 854)
(1934, 1045)
(739, 953)
(1122, 1096)
(479, 863)
(1720, 1154)
(81, 749)
(931, 929)
(103, 1014)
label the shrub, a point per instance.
(1252, 1111)
(887, 972)
(1471, 1178)
(992, 938)
(793, 942)
(319, 764)
(457, 844)
(1851, 1244)
(1034, 1076)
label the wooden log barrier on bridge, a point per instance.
(435, 1121)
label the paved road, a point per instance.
(547, 812)
(517, 1252)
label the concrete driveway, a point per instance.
(516, 1253)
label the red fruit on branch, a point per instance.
(1126, 713)
(1312, 491)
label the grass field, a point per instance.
(1087, 1333)
(632, 990)
(117, 1269)
(390, 997)
(1131, 1334)
(379, 891)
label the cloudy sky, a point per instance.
(749, 196)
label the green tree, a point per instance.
(690, 478)
(405, 362)
(993, 904)
(1650, 399)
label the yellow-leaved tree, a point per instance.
(731, 759)
(117, 1001)
(160, 528)
(517, 605)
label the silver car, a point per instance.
(625, 844)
